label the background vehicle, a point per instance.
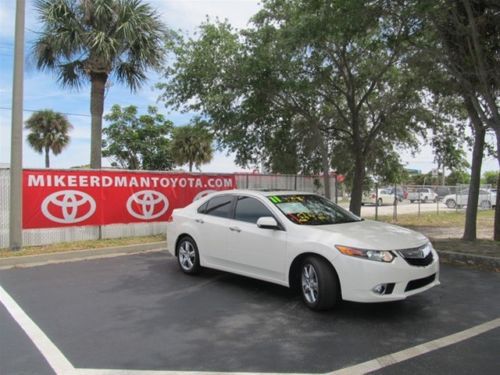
(459, 199)
(303, 241)
(384, 197)
(422, 194)
(401, 192)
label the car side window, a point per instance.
(250, 210)
(219, 206)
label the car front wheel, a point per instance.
(319, 284)
(188, 256)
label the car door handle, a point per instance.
(199, 221)
(235, 229)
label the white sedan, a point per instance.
(303, 241)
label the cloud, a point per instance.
(188, 14)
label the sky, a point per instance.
(41, 90)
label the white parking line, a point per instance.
(415, 351)
(50, 352)
(61, 365)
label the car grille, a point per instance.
(420, 283)
(416, 256)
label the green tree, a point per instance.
(458, 178)
(346, 76)
(137, 142)
(93, 41)
(192, 145)
(467, 44)
(490, 178)
(447, 144)
(48, 131)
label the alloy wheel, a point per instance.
(310, 287)
(187, 255)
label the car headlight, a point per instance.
(376, 255)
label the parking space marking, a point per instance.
(50, 352)
(361, 368)
(60, 364)
(415, 351)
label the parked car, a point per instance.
(303, 241)
(401, 192)
(460, 199)
(442, 191)
(384, 197)
(422, 194)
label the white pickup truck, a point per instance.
(422, 194)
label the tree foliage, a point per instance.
(192, 144)
(48, 131)
(92, 41)
(339, 69)
(137, 141)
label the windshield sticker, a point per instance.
(292, 207)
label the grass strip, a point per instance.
(80, 245)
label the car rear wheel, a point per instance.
(450, 203)
(319, 284)
(188, 256)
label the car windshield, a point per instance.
(308, 209)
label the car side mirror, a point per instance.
(267, 222)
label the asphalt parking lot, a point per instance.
(138, 312)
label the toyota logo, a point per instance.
(147, 204)
(68, 206)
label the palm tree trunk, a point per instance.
(47, 161)
(98, 85)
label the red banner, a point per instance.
(61, 198)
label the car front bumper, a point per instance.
(358, 278)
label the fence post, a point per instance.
(247, 177)
(437, 204)
(335, 187)
(395, 210)
(376, 201)
(419, 198)
(295, 183)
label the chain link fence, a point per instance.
(394, 200)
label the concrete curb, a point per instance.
(481, 261)
(76, 255)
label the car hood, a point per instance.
(368, 234)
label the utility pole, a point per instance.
(16, 148)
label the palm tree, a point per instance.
(93, 40)
(48, 132)
(192, 145)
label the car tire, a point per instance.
(485, 204)
(450, 203)
(319, 284)
(188, 256)
(380, 202)
(425, 200)
(411, 201)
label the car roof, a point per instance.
(264, 193)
